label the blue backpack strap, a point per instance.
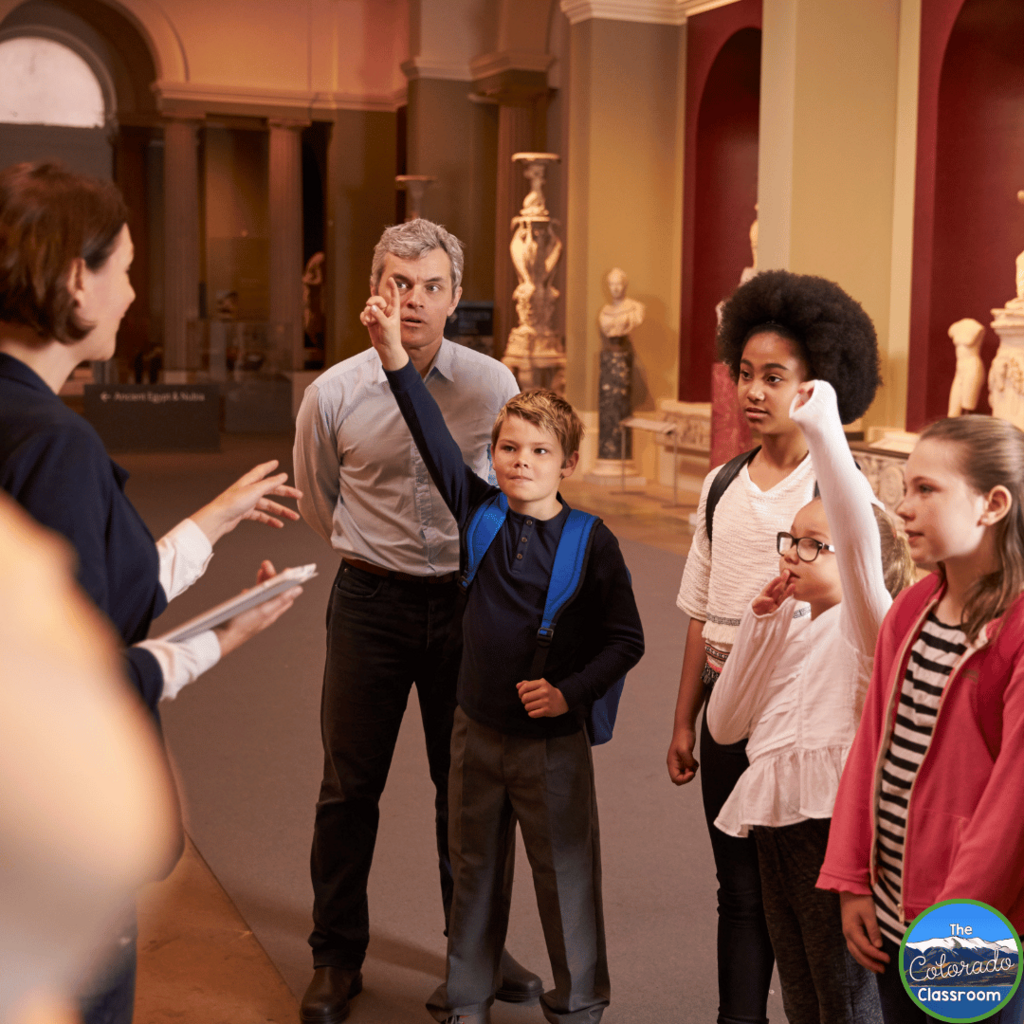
(567, 572)
(566, 579)
(485, 522)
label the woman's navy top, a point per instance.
(54, 464)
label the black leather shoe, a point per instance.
(518, 985)
(326, 999)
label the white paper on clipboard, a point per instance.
(284, 580)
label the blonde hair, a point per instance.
(897, 565)
(989, 453)
(548, 411)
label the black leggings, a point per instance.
(745, 957)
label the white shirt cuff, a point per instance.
(184, 661)
(185, 552)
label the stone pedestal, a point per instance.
(615, 458)
(613, 404)
(537, 358)
(1006, 374)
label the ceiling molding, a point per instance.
(195, 98)
(649, 12)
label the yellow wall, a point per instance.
(624, 185)
(828, 150)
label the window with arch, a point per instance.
(45, 82)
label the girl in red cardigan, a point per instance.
(931, 801)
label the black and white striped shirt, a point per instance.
(931, 659)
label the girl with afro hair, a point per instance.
(778, 331)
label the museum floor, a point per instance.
(223, 939)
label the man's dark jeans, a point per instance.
(383, 635)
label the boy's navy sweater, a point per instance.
(598, 637)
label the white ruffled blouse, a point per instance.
(795, 687)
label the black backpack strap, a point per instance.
(718, 487)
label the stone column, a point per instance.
(285, 187)
(181, 243)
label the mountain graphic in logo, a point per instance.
(961, 961)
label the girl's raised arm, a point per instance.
(848, 499)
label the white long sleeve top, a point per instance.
(795, 688)
(718, 584)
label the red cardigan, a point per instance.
(965, 819)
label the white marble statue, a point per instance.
(1006, 374)
(622, 315)
(751, 271)
(967, 335)
(535, 351)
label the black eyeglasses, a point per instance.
(807, 548)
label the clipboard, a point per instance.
(284, 580)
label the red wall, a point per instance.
(723, 68)
(968, 225)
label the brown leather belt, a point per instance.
(394, 574)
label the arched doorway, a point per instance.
(80, 91)
(53, 104)
(720, 185)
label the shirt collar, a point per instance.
(443, 363)
(443, 360)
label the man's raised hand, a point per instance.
(382, 317)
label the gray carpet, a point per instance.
(245, 738)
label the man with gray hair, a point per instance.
(391, 619)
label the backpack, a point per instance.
(571, 557)
(729, 471)
(720, 484)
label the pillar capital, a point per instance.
(649, 12)
(287, 123)
(516, 86)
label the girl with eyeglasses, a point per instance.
(794, 688)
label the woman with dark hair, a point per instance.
(65, 252)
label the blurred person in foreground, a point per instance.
(86, 804)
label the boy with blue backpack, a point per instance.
(520, 745)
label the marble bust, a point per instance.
(622, 315)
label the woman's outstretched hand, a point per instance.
(233, 633)
(248, 498)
